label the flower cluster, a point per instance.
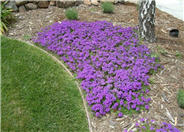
(109, 60)
(149, 125)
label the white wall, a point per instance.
(173, 7)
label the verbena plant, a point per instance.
(114, 73)
(71, 14)
(107, 7)
(146, 125)
(6, 16)
(180, 98)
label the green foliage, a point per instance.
(161, 50)
(27, 37)
(71, 14)
(156, 56)
(180, 98)
(145, 129)
(6, 16)
(151, 80)
(92, 9)
(108, 7)
(179, 54)
(37, 93)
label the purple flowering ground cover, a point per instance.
(145, 125)
(112, 64)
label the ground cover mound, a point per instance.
(110, 61)
(37, 94)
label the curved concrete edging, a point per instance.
(67, 70)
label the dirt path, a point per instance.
(165, 84)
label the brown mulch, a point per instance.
(165, 83)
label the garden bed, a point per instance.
(164, 85)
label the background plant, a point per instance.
(6, 16)
(107, 7)
(71, 14)
(180, 98)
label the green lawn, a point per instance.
(37, 94)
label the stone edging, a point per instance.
(25, 5)
(68, 71)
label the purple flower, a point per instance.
(152, 128)
(120, 114)
(137, 124)
(97, 114)
(110, 62)
(152, 121)
(147, 107)
(142, 119)
(125, 130)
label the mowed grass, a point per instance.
(37, 94)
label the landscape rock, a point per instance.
(52, 3)
(108, 1)
(87, 2)
(132, 1)
(20, 2)
(119, 1)
(22, 8)
(43, 4)
(94, 2)
(11, 5)
(31, 6)
(35, 1)
(66, 4)
(113, 1)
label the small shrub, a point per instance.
(107, 7)
(180, 98)
(71, 14)
(6, 16)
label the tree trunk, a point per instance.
(147, 20)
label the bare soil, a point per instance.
(165, 83)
